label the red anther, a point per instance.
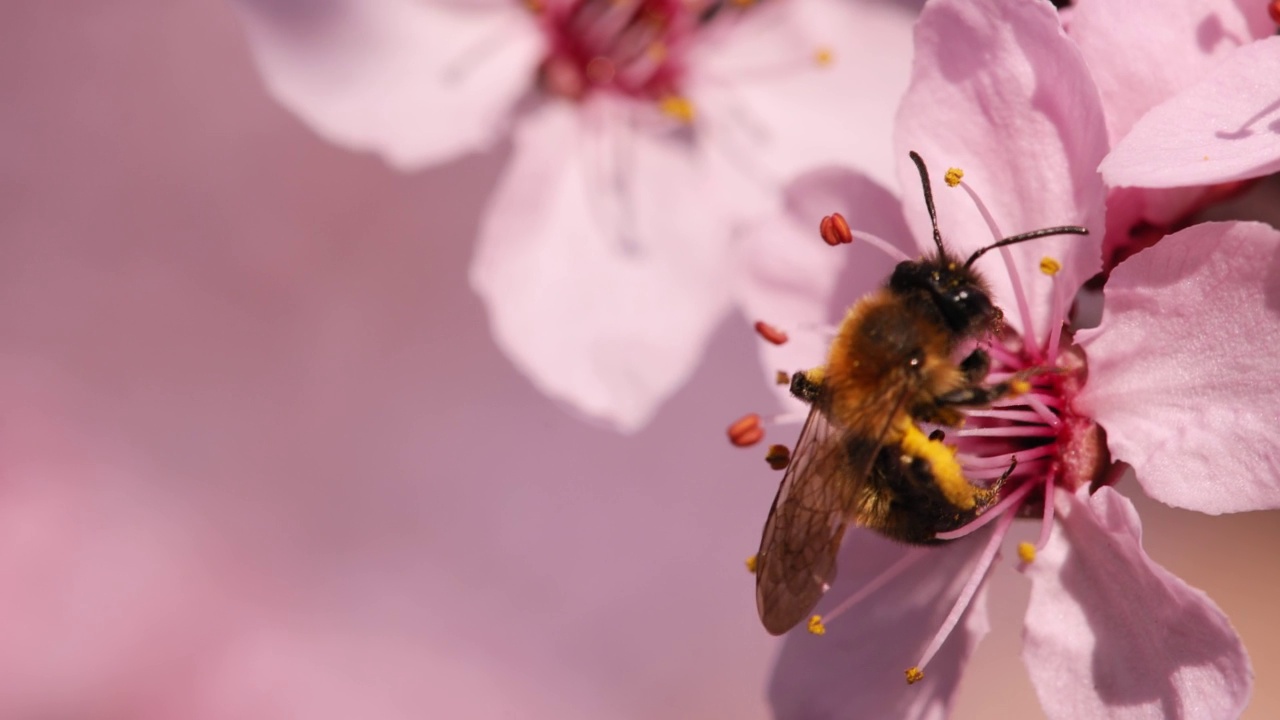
(778, 457)
(770, 333)
(746, 431)
(1273, 9)
(835, 230)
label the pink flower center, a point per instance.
(629, 47)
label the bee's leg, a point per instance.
(807, 384)
(976, 366)
(976, 395)
(988, 496)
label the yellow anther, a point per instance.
(676, 107)
(823, 56)
(953, 176)
(1026, 552)
(1019, 387)
(1049, 266)
(782, 378)
(816, 627)
(914, 675)
(751, 564)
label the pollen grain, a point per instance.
(1026, 552)
(676, 107)
(816, 627)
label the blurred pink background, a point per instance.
(259, 457)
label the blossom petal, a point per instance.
(416, 81)
(776, 106)
(856, 668)
(1223, 128)
(792, 280)
(1142, 52)
(1182, 370)
(1000, 92)
(1110, 633)
(603, 279)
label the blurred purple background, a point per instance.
(259, 457)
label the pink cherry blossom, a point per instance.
(1177, 381)
(1144, 54)
(1221, 129)
(642, 134)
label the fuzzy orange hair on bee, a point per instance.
(862, 457)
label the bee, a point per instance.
(862, 457)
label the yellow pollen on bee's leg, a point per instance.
(751, 564)
(677, 107)
(1019, 387)
(914, 675)
(824, 56)
(1049, 266)
(1026, 552)
(953, 176)
(942, 463)
(816, 375)
(816, 627)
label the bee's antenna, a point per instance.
(928, 199)
(1060, 230)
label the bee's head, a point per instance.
(958, 293)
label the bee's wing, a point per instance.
(797, 558)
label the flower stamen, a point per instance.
(966, 595)
(1046, 523)
(746, 431)
(1024, 308)
(835, 230)
(888, 574)
(778, 457)
(770, 333)
(1026, 552)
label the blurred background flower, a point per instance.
(644, 134)
(260, 458)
